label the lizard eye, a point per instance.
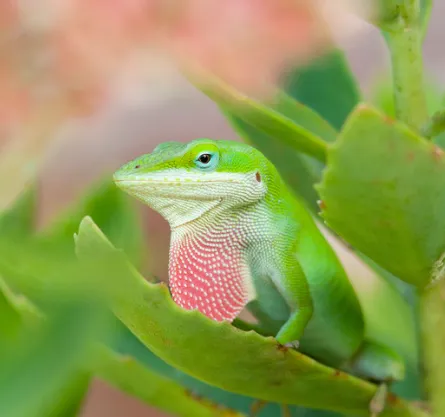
(206, 160)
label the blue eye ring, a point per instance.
(207, 160)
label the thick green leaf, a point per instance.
(218, 353)
(136, 379)
(128, 345)
(275, 119)
(327, 86)
(384, 192)
(112, 210)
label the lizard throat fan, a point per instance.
(207, 272)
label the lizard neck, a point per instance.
(208, 269)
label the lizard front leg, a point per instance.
(292, 283)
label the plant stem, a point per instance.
(433, 335)
(405, 45)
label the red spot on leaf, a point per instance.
(392, 399)
(362, 107)
(321, 204)
(389, 120)
(411, 155)
(282, 348)
(437, 153)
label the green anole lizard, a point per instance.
(239, 238)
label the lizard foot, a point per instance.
(295, 344)
(285, 410)
(377, 404)
(256, 407)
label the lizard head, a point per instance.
(184, 181)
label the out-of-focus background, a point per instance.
(94, 147)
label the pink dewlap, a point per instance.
(207, 274)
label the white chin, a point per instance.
(178, 212)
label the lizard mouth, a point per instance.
(165, 190)
(176, 181)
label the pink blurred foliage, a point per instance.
(245, 43)
(14, 100)
(83, 44)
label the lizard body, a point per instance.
(240, 238)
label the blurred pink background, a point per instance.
(174, 110)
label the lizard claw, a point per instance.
(377, 404)
(295, 344)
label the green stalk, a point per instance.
(433, 336)
(404, 38)
(404, 32)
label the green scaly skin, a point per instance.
(264, 251)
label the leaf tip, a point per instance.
(364, 109)
(86, 222)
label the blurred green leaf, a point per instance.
(132, 377)
(16, 313)
(20, 324)
(327, 86)
(36, 370)
(274, 118)
(10, 318)
(425, 13)
(114, 211)
(18, 220)
(38, 271)
(70, 397)
(299, 171)
(383, 191)
(303, 116)
(43, 270)
(237, 361)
